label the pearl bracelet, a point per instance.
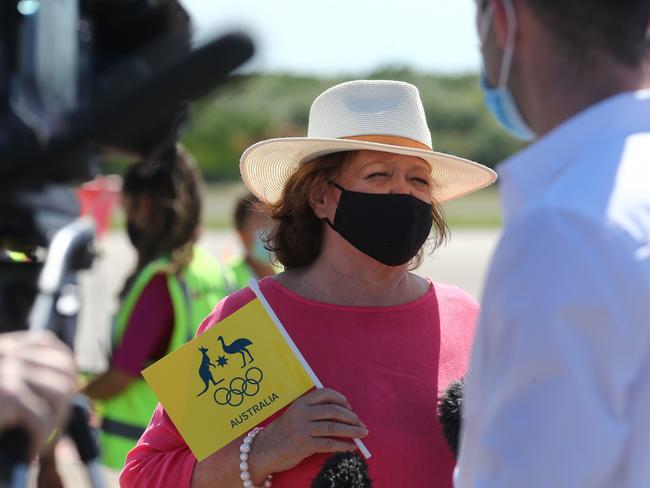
(244, 450)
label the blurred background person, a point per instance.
(252, 227)
(175, 284)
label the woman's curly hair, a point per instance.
(297, 233)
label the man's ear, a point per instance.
(319, 196)
(501, 21)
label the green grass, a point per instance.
(219, 203)
(219, 200)
(480, 209)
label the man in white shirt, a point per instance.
(558, 391)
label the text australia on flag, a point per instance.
(224, 382)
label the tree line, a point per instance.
(249, 108)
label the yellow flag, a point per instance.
(224, 382)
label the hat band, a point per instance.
(391, 141)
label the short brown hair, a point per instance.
(598, 26)
(297, 233)
(246, 205)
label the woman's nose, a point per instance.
(399, 185)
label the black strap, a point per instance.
(335, 184)
(122, 429)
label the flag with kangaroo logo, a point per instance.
(224, 382)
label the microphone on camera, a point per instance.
(450, 412)
(349, 470)
(343, 470)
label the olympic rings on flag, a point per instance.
(240, 388)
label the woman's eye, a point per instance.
(421, 182)
(374, 176)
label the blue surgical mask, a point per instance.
(504, 109)
(259, 252)
(498, 100)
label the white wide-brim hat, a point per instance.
(376, 115)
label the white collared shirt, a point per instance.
(558, 391)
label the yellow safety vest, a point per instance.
(193, 297)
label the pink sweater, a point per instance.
(390, 362)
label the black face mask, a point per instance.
(390, 228)
(135, 234)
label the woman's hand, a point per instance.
(320, 421)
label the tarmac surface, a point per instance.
(463, 261)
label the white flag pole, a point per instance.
(256, 289)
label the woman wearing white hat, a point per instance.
(353, 203)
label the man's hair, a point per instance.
(615, 27)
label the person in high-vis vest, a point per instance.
(176, 283)
(256, 261)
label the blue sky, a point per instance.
(347, 37)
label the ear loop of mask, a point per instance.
(504, 74)
(335, 184)
(327, 220)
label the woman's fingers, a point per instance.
(328, 444)
(319, 422)
(330, 428)
(325, 395)
(334, 412)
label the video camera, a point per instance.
(79, 78)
